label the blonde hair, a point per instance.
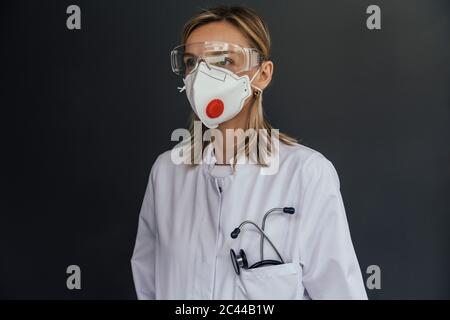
(250, 24)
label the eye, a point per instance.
(190, 62)
(225, 62)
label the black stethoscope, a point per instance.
(240, 260)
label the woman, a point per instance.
(190, 232)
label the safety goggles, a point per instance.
(185, 58)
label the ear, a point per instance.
(264, 75)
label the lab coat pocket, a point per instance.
(270, 282)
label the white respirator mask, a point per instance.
(216, 94)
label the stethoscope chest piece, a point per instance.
(239, 261)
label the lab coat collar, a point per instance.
(209, 160)
(209, 157)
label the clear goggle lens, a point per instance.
(185, 58)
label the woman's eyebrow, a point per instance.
(216, 53)
(208, 53)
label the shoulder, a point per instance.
(299, 155)
(162, 165)
(164, 159)
(170, 162)
(311, 164)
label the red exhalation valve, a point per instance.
(214, 108)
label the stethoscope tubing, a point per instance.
(263, 234)
(261, 247)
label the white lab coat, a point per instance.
(183, 243)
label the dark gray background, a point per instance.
(85, 113)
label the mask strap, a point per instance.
(253, 78)
(259, 91)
